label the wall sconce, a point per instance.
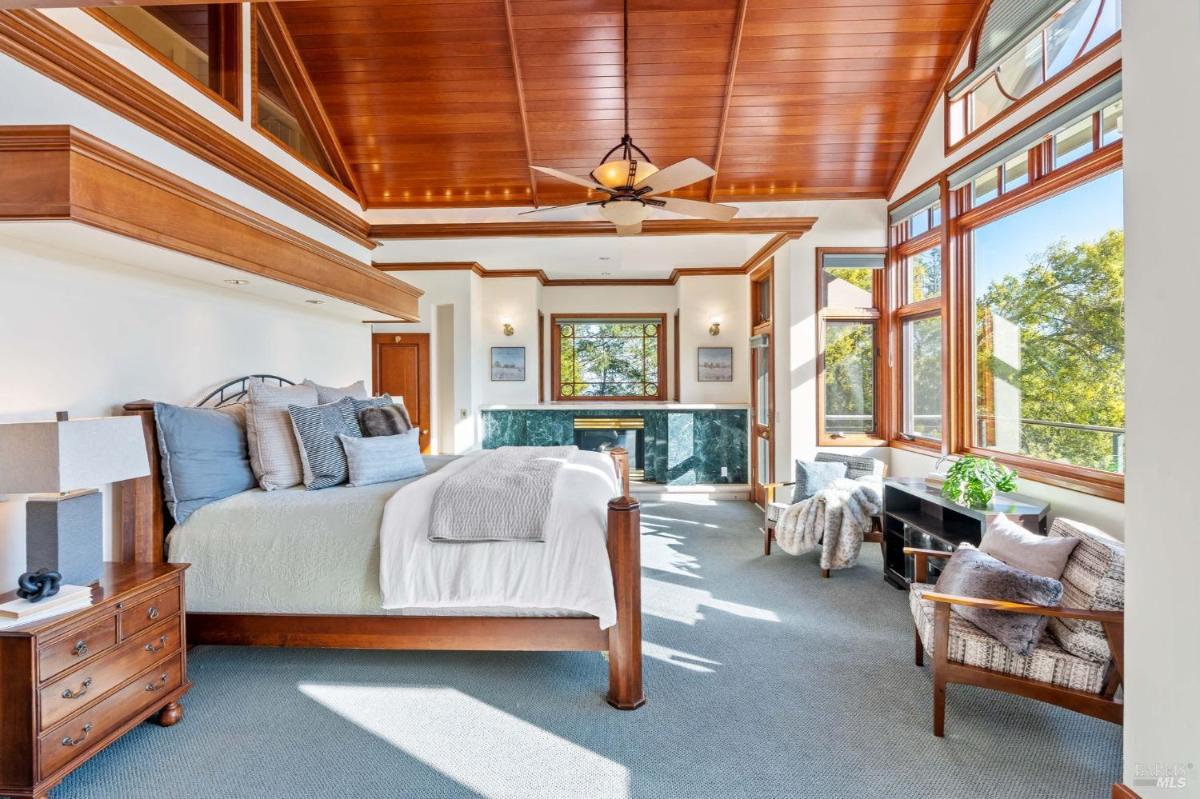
(508, 327)
(714, 329)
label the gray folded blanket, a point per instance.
(503, 495)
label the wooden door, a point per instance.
(400, 367)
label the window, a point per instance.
(1048, 287)
(609, 355)
(921, 355)
(200, 42)
(924, 274)
(850, 290)
(1020, 51)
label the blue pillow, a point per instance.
(812, 476)
(382, 459)
(204, 456)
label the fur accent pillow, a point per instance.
(1011, 543)
(976, 574)
(389, 420)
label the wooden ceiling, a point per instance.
(447, 102)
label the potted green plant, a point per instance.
(973, 481)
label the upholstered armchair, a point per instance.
(779, 497)
(1078, 664)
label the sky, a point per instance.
(1084, 213)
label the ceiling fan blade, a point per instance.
(557, 207)
(675, 176)
(629, 230)
(569, 178)
(713, 211)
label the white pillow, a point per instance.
(1009, 542)
(274, 452)
(328, 394)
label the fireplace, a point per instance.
(602, 435)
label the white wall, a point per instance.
(1162, 637)
(516, 299)
(86, 336)
(701, 299)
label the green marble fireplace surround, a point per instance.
(684, 444)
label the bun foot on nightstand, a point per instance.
(172, 713)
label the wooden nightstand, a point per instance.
(72, 684)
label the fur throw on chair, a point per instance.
(835, 519)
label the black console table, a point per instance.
(916, 515)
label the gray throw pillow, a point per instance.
(274, 453)
(1011, 543)
(812, 476)
(392, 420)
(204, 456)
(328, 394)
(384, 458)
(972, 573)
(318, 430)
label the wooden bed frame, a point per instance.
(143, 531)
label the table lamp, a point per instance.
(62, 463)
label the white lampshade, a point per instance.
(56, 457)
(623, 213)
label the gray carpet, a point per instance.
(763, 679)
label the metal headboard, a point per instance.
(235, 390)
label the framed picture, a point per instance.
(714, 364)
(508, 364)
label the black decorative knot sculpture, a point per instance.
(38, 585)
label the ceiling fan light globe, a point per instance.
(624, 213)
(615, 174)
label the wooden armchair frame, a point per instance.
(874, 535)
(1102, 705)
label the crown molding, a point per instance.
(796, 225)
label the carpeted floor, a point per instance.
(763, 679)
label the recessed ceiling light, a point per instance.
(605, 274)
(605, 258)
(315, 302)
(234, 281)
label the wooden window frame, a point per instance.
(556, 356)
(876, 316)
(227, 55)
(1085, 56)
(959, 219)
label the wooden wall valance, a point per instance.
(58, 172)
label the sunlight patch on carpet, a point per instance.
(661, 553)
(483, 748)
(676, 658)
(682, 604)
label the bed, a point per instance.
(301, 568)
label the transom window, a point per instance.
(609, 355)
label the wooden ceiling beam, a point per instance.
(519, 81)
(735, 50)
(545, 280)
(299, 84)
(6, 5)
(795, 225)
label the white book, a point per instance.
(23, 608)
(79, 603)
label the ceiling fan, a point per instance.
(631, 180)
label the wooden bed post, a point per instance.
(625, 554)
(142, 521)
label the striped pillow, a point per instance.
(317, 430)
(384, 458)
(270, 437)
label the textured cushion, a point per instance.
(384, 458)
(812, 476)
(1094, 579)
(1011, 543)
(972, 573)
(857, 466)
(204, 456)
(775, 510)
(274, 453)
(327, 394)
(971, 646)
(318, 430)
(390, 420)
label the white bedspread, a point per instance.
(568, 571)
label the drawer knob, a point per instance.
(69, 741)
(152, 613)
(83, 689)
(162, 642)
(154, 686)
(80, 647)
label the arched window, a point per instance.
(1023, 45)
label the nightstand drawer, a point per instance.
(74, 738)
(136, 618)
(78, 647)
(81, 687)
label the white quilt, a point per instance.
(568, 571)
